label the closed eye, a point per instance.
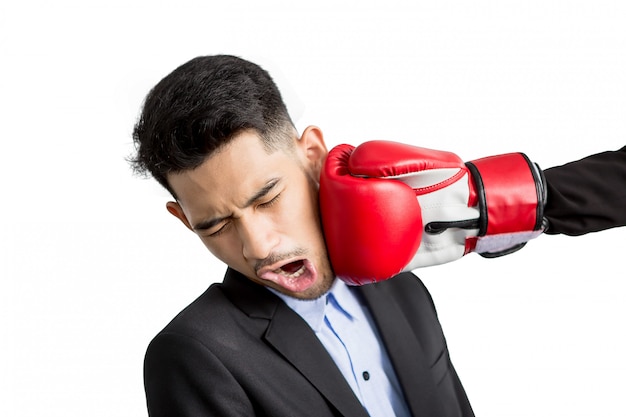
(220, 230)
(271, 202)
(226, 224)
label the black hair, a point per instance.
(199, 107)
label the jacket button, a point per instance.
(366, 376)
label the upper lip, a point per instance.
(277, 265)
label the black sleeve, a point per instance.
(588, 195)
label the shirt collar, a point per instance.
(313, 311)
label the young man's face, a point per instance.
(258, 212)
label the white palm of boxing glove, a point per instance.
(438, 209)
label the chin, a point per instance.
(316, 291)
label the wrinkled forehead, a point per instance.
(231, 175)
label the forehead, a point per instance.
(233, 173)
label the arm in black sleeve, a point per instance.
(588, 195)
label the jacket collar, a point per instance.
(289, 334)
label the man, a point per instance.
(281, 336)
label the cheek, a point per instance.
(312, 206)
(305, 214)
(224, 249)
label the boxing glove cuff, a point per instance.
(511, 194)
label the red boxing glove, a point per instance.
(388, 207)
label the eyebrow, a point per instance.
(209, 223)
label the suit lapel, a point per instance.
(405, 352)
(303, 349)
(289, 334)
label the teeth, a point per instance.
(296, 274)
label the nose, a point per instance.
(258, 238)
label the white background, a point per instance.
(92, 266)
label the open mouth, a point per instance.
(292, 269)
(294, 276)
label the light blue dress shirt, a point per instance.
(346, 329)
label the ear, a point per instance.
(313, 149)
(177, 211)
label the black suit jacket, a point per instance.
(238, 350)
